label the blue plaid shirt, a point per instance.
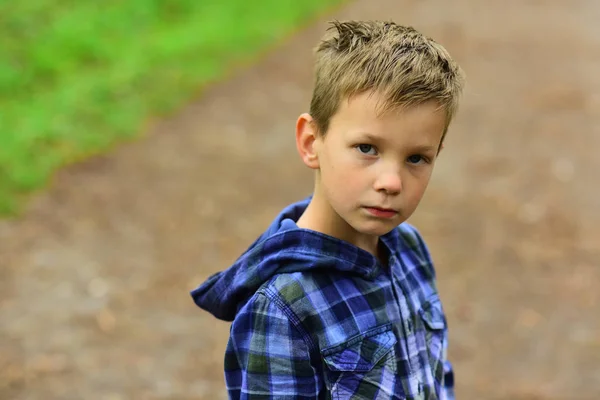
(317, 318)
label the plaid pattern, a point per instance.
(316, 318)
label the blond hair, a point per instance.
(397, 61)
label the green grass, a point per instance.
(76, 77)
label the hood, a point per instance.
(282, 248)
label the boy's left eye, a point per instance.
(416, 159)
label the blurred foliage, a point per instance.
(77, 77)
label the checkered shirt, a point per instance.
(317, 318)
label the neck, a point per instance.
(319, 216)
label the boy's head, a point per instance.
(402, 65)
(383, 99)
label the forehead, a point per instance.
(365, 115)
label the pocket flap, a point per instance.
(432, 314)
(362, 352)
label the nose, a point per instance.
(389, 182)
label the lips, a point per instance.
(381, 212)
(384, 209)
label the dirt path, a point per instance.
(94, 277)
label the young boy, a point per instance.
(338, 298)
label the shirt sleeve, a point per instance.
(448, 388)
(267, 356)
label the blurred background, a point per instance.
(145, 144)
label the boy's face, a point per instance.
(373, 169)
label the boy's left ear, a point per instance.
(306, 137)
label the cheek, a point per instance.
(419, 186)
(345, 181)
(339, 166)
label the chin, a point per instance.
(376, 229)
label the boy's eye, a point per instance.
(367, 149)
(416, 159)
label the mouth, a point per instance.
(381, 212)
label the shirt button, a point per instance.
(409, 327)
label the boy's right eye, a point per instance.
(367, 149)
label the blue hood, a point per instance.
(282, 248)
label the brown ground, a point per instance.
(95, 276)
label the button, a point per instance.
(409, 326)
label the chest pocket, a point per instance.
(363, 367)
(434, 322)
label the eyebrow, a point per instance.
(378, 139)
(425, 148)
(371, 137)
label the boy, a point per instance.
(338, 299)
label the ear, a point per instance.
(306, 137)
(440, 149)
